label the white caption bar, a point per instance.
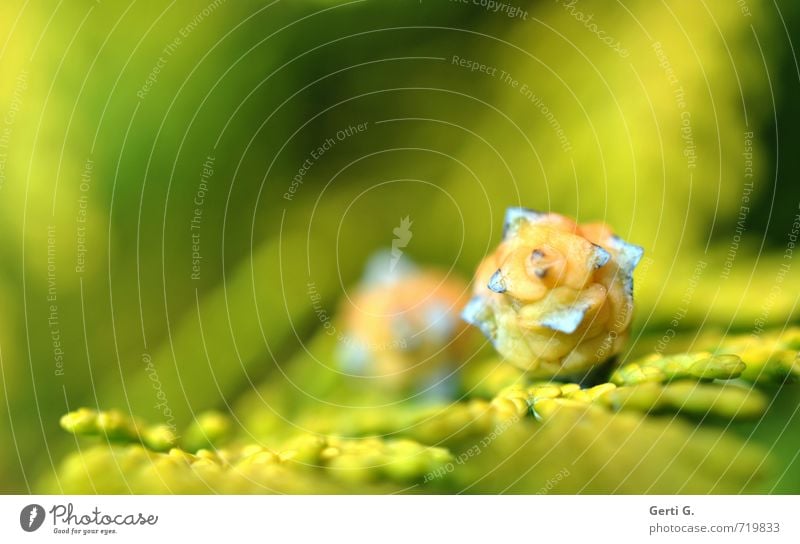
(354, 519)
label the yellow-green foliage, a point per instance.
(506, 434)
(452, 150)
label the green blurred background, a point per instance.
(148, 152)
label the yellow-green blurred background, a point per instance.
(150, 152)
